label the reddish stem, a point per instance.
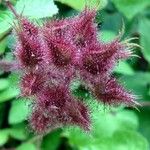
(11, 7)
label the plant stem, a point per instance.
(145, 104)
(10, 6)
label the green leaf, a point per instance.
(14, 77)
(8, 94)
(77, 136)
(37, 8)
(138, 84)
(123, 140)
(112, 22)
(26, 146)
(114, 129)
(80, 4)
(2, 46)
(127, 120)
(131, 8)
(5, 21)
(52, 140)
(144, 27)
(19, 111)
(107, 35)
(4, 136)
(4, 83)
(13, 89)
(124, 68)
(19, 132)
(104, 125)
(144, 127)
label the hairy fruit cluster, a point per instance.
(51, 56)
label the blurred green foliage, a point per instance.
(112, 128)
